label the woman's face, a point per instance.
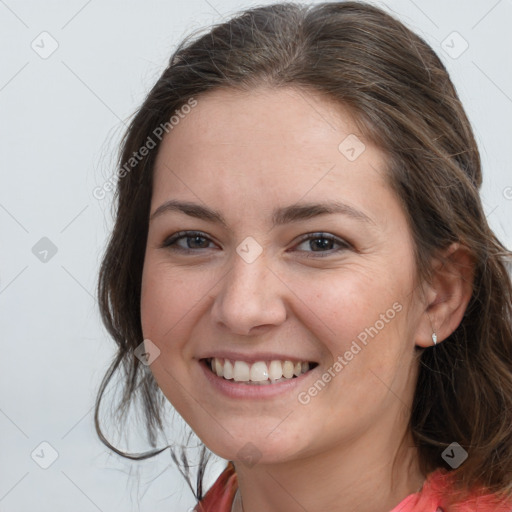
(253, 291)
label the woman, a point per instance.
(341, 332)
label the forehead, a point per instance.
(267, 146)
(265, 116)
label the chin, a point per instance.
(251, 450)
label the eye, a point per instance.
(323, 241)
(196, 240)
(193, 240)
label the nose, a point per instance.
(250, 298)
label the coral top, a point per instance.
(431, 498)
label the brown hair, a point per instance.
(402, 98)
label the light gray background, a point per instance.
(61, 118)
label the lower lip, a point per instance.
(235, 389)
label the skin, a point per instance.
(243, 154)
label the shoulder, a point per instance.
(438, 495)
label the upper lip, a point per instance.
(253, 357)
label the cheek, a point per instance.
(336, 305)
(167, 296)
(359, 317)
(346, 301)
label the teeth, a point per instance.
(275, 370)
(261, 372)
(228, 370)
(241, 371)
(288, 368)
(219, 368)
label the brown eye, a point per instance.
(322, 244)
(193, 240)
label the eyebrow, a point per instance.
(280, 216)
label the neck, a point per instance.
(358, 476)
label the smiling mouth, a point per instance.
(258, 373)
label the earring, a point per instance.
(434, 338)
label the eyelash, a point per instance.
(170, 242)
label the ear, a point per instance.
(447, 296)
